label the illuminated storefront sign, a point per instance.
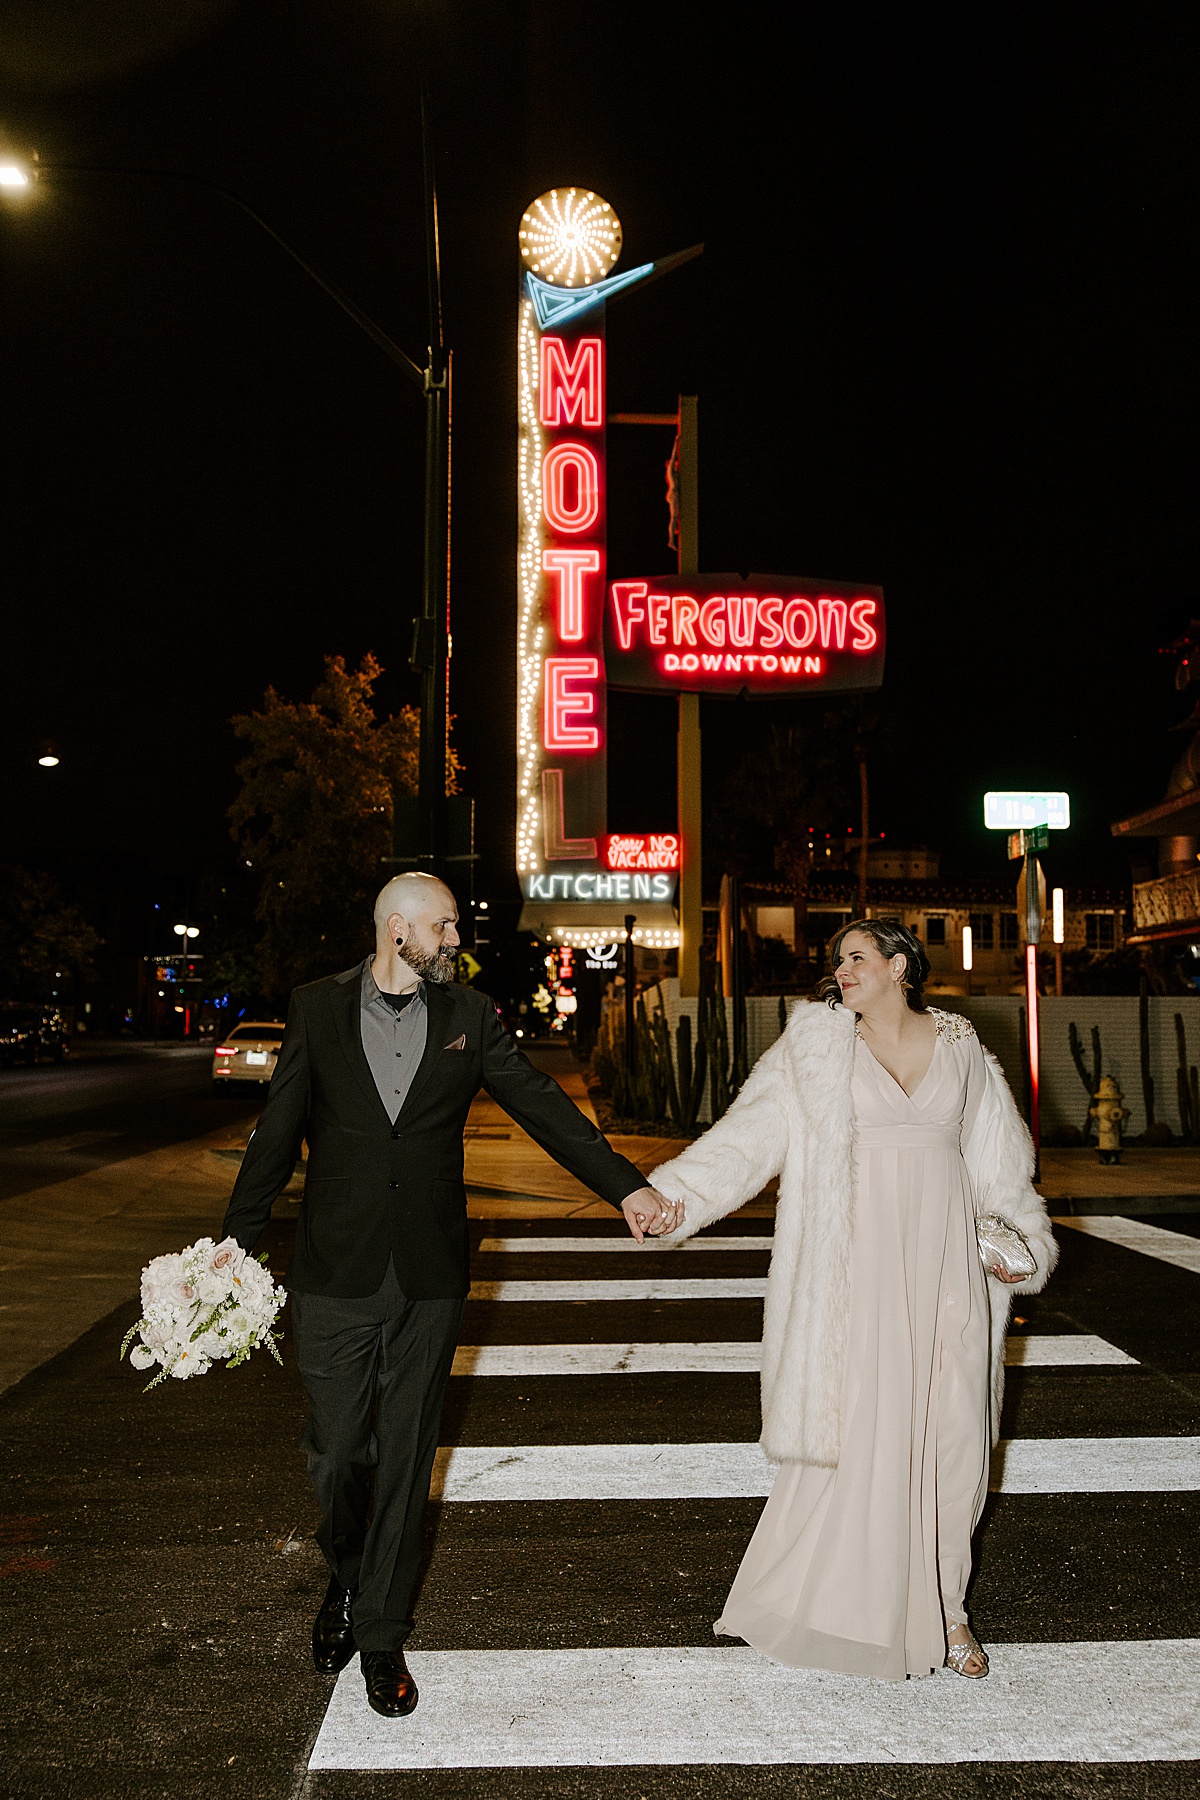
(592, 884)
(660, 850)
(577, 633)
(723, 633)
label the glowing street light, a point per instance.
(968, 942)
(187, 931)
(14, 176)
(48, 761)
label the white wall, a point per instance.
(996, 1018)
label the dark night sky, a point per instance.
(939, 337)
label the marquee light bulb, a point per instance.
(569, 237)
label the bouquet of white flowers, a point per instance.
(208, 1303)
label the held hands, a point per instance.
(1000, 1275)
(647, 1213)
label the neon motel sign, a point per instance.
(577, 633)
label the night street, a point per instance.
(599, 902)
(110, 1102)
(161, 1573)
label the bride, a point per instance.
(892, 1130)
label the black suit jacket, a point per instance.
(375, 1189)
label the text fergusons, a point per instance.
(773, 634)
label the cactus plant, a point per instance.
(1144, 1051)
(1187, 1086)
(1090, 1078)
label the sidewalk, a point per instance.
(1144, 1181)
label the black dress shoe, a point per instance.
(333, 1633)
(391, 1690)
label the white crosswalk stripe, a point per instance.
(1134, 1234)
(555, 1246)
(738, 1471)
(491, 1709)
(718, 1358)
(665, 1287)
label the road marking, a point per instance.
(552, 1246)
(1134, 1234)
(745, 1287)
(741, 1471)
(730, 1358)
(503, 1709)
(1035, 1350)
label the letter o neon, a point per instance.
(809, 611)
(558, 462)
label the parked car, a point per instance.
(32, 1034)
(247, 1053)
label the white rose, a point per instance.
(227, 1258)
(211, 1287)
(141, 1357)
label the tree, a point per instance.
(788, 785)
(313, 819)
(41, 935)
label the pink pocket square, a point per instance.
(460, 1043)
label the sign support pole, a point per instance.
(689, 786)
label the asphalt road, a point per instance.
(161, 1578)
(62, 1119)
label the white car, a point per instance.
(247, 1053)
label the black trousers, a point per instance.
(376, 1372)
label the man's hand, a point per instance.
(648, 1213)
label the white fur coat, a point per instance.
(795, 1118)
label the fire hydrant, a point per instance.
(1109, 1115)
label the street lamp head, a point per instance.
(15, 176)
(47, 762)
(570, 237)
(179, 930)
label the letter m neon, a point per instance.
(571, 388)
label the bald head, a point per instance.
(415, 896)
(416, 936)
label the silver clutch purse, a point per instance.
(1001, 1245)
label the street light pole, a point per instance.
(431, 635)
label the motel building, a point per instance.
(906, 884)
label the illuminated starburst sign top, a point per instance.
(570, 237)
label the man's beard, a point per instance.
(435, 965)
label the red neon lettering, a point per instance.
(656, 607)
(691, 662)
(796, 609)
(791, 664)
(770, 664)
(712, 623)
(571, 388)
(564, 467)
(733, 665)
(570, 566)
(660, 851)
(742, 610)
(627, 612)
(711, 663)
(867, 637)
(833, 613)
(684, 613)
(768, 620)
(562, 706)
(812, 665)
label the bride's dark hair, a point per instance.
(890, 938)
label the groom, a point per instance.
(377, 1071)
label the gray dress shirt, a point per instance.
(394, 1042)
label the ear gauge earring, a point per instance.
(399, 943)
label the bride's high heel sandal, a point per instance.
(959, 1655)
